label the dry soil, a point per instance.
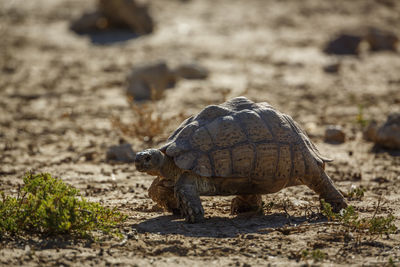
(59, 92)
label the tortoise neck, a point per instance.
(169, 170)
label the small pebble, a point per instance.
(146, 82)
(332, 68)
(334, 134)
(388, 135)
(370, 131)
(121, 153)
(191, 71)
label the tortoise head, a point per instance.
(149, 161)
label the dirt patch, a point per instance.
(59, 93)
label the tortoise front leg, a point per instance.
(324, 187)
(161, 191)
(330, 193)
(189, 202)
(246, 203)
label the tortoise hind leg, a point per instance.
(187, 194)
(246, 203)
(324, 187)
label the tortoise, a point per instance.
(237, 148)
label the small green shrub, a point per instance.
(356, 193)
(379, 225)
(391, 262)
(349, 218)
(316, 255)
(47, 206)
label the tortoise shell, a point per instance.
(240, 138)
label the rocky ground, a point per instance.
(61, 92)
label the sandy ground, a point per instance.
(59, 92)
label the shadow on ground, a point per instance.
(109, 37)
(221, 227)
(377, 149)
(43, 242)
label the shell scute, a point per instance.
(225, 132)
(279, 127)
(298, 163)
(242, 160)
(211, 112)
(254, 126)
(186, 160)
(283, 171)
(203, 166)
(222, 162)
(201, 139)
(266, 163)
(239, 103)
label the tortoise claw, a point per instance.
(188, 198)
(337, 204)
(192, 213)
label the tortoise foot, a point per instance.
(193, 213)
(337, 204)
(246, 204)
(188, 198)
(176, 212)
(161, 191)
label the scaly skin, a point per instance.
(161, 191)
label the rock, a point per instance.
(89, 21)
(371, 131)
(334, 134)
(379, 39)
(127, 13)
(351, 42)
(121, 153)
(388, 135)
(150, 81)
(344, 44)
(332, 68)
(115, 14)
(191, 71)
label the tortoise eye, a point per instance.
(147, 158)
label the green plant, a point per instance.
(356, 193)
(360, 119)
(47, 206)
(316, 255)
(379, 225)
(349, 218)
(391, 262)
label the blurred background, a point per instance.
(85, 84)
(78, 77)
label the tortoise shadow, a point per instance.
(220, 227)
(109, 37)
